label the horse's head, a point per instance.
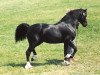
(77, 14)
(82, 14)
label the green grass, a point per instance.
(12, 55)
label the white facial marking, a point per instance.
(84, 14)
(28, 65)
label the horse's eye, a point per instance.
(84, 14)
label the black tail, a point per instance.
(21, 32)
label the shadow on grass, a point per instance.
(15, 65)
(48, 62)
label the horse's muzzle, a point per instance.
(84, 24)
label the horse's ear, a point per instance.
(80, 8)
(85, 10)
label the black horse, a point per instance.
(63, 31)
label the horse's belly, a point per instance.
(52, 39)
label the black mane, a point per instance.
(72, 14)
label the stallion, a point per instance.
(64, 31)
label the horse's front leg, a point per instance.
(71, 44)
(71, 50)
(66, 54)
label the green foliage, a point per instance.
(12, 55)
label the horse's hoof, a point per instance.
(66, 63)
(28, 66)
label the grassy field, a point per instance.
(12, 55)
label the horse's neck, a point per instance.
(68, 20)
(71, 23)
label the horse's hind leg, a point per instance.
(34, 55)
(34, 52)
(28, 52)
(33, 42)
